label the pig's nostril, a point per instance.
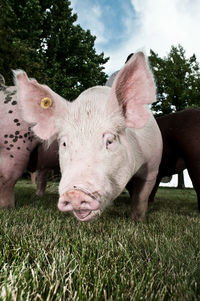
(83, 202)
(66, 203)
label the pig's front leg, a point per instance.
(41, 181)
(155, 189)
(140, 192)
(7, 199)
(11, 169)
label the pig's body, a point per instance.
(181, 147)
(42, 160)
(107, 136)
(16, 142)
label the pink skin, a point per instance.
(106, 137)
(16, 142)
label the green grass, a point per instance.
(48, 255)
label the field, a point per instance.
(48, 255)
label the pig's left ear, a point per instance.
(39, 105)
(134, 88)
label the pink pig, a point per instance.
(107, 137)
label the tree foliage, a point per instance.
(41, 37)
(177, 79)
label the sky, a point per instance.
(125, 26)
(122, 27)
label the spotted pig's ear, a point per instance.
(39, 105)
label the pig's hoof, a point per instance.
(39, 193)
(7, 206)
(138, 217)
(151, 201)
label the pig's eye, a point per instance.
(108, 139)
(64, 144)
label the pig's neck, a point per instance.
(134, 148)
(140, 145)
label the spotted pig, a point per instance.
(16, 143)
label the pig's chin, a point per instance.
(86, 215)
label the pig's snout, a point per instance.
(80, 202)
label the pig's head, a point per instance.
(95, 156)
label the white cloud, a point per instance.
(98, 28)
(165, 22)
(160, 24)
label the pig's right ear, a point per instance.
(39, 105)
(133, 89)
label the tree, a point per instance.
(20, 37)
(177, 79)
(178, 84)
(40, 37)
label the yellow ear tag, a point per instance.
(46, 102)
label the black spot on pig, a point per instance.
(13, 93)
(6, 91)
(7, 99)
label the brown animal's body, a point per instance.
(181, 147)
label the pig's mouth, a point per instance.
(82, 215)
(86, 215)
